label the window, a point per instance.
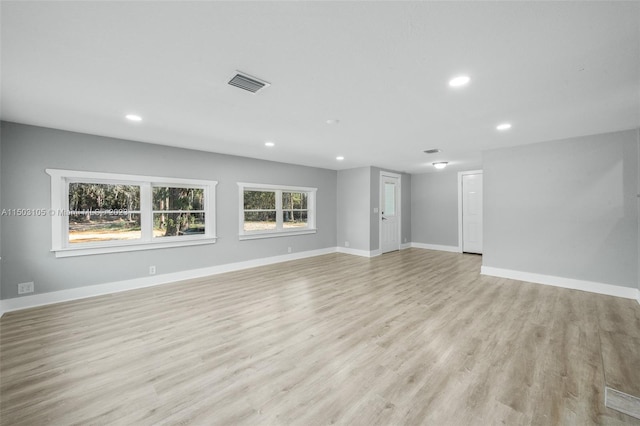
(272, 211)
(295, 213)
(259, 211)
(178, 211)
(99, 212)
(94, 213)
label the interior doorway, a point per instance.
(470, 194)
(390, 218)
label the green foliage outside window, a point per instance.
(178, 211)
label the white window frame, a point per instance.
(60, 245)
(279, 231)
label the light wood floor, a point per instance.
(412, 337)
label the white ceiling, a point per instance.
(552, 69)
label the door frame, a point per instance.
(398, 206)
(460, 174)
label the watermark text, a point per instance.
(63, 212)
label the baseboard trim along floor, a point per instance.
(452, 249)
(570, 283)
(42, 299)
(19, 303)
(356, 252)
(622, 402)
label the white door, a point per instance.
(389, 213)
(472, 213)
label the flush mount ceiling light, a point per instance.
(459, 81)
(339, 158)
(133, 117)
(440, 165)
(503, 126)
(269, 144)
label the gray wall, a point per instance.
(565, 208)
(0, 216)
(407, 224)
(434, 208)
(353, 208)
(26, 241)
(358, 195)
(374, 202)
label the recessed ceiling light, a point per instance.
(269, 144)
(460, 80)
(333, 121)
(440, 165)
(339, 158)
(503, 126)
(433, 151)
(133, 117)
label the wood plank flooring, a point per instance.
(620, 344)
(407, 338)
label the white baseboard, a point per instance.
(405, 246)
(356, 252)
(453, 249)
(622, 402)
(26, 302)
(590, 286)
(638, 296)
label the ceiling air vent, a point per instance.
(433, 151)
(247, 82)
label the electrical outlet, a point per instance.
(25, 287)
(346, 243)
(152, 270)
(288, 249)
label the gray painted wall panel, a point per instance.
(374, 218)
(353, 208)
(565, 208)
(358, 195)
(26, 242)
(407, 226)
(1, 190)
(434, 205)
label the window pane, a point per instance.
(259, 221)
(103, 212)
(294, 200)
(294, 219)
(173, 198)
(91, 227)
(177, 224)
(389, 199)
(100, 196)
(259, 200)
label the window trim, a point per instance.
(279, 231)
(60, 204)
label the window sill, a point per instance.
(260, 235)
(87, 251)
